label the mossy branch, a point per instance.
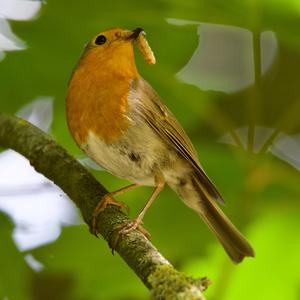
(48, 158)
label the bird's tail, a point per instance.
(197, 196)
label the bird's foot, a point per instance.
(132, 225)
(101, 206)
(122, 230)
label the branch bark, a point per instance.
(48, 158)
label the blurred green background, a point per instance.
(229, 70)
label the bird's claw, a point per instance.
(101, 206)
(124, 229)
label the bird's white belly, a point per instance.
(134, 157)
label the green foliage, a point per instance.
(92, 270)
(261, 190)
(15, 274)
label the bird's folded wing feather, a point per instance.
(159, 117)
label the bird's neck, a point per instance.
(118, 62)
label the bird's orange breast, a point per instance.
(97, 97)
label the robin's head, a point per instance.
(113, 49)
(112, 38)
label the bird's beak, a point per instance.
(135, 33)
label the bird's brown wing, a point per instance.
(159, 117)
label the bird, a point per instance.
(120, 122)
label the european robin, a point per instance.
(119, 121)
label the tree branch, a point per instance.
(55, 163)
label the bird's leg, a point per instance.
(136, 223)
(108, 199)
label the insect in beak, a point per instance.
(135, 33)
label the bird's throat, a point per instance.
(97, 98)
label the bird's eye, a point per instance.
(100, 39)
